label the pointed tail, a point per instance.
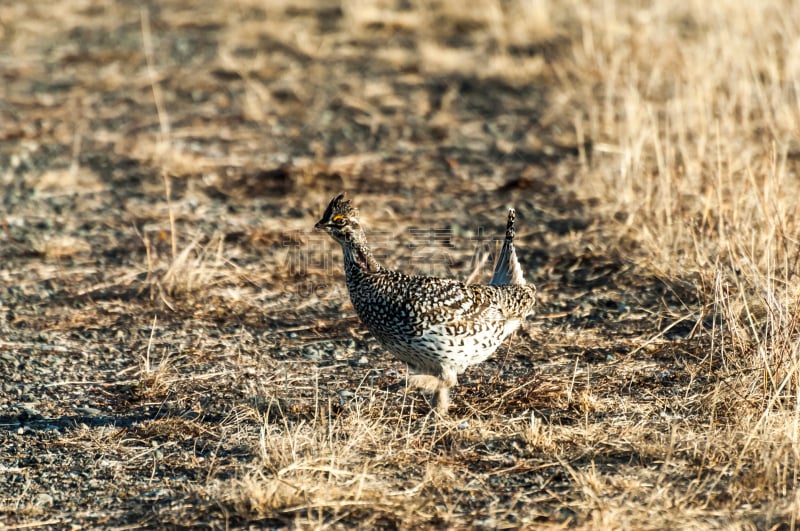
(507, 270)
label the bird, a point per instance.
(438, 326)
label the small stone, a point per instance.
(312, 353)
(43, 500)
(345, 393)
(89, 411)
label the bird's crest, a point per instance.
(339, 208)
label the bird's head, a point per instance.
(340, 220)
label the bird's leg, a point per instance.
(428, 382)
(442, 400)
(440, 385)
(447, 379)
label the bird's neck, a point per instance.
(358, 257)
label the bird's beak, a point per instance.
(319, 225)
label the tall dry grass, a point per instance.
(694, 111)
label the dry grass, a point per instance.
(175, 336)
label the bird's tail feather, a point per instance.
(507, 270)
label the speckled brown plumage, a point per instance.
(438, 326)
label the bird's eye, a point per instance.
(338, 219)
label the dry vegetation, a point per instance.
(177, 348)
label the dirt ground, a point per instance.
(177, 348)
